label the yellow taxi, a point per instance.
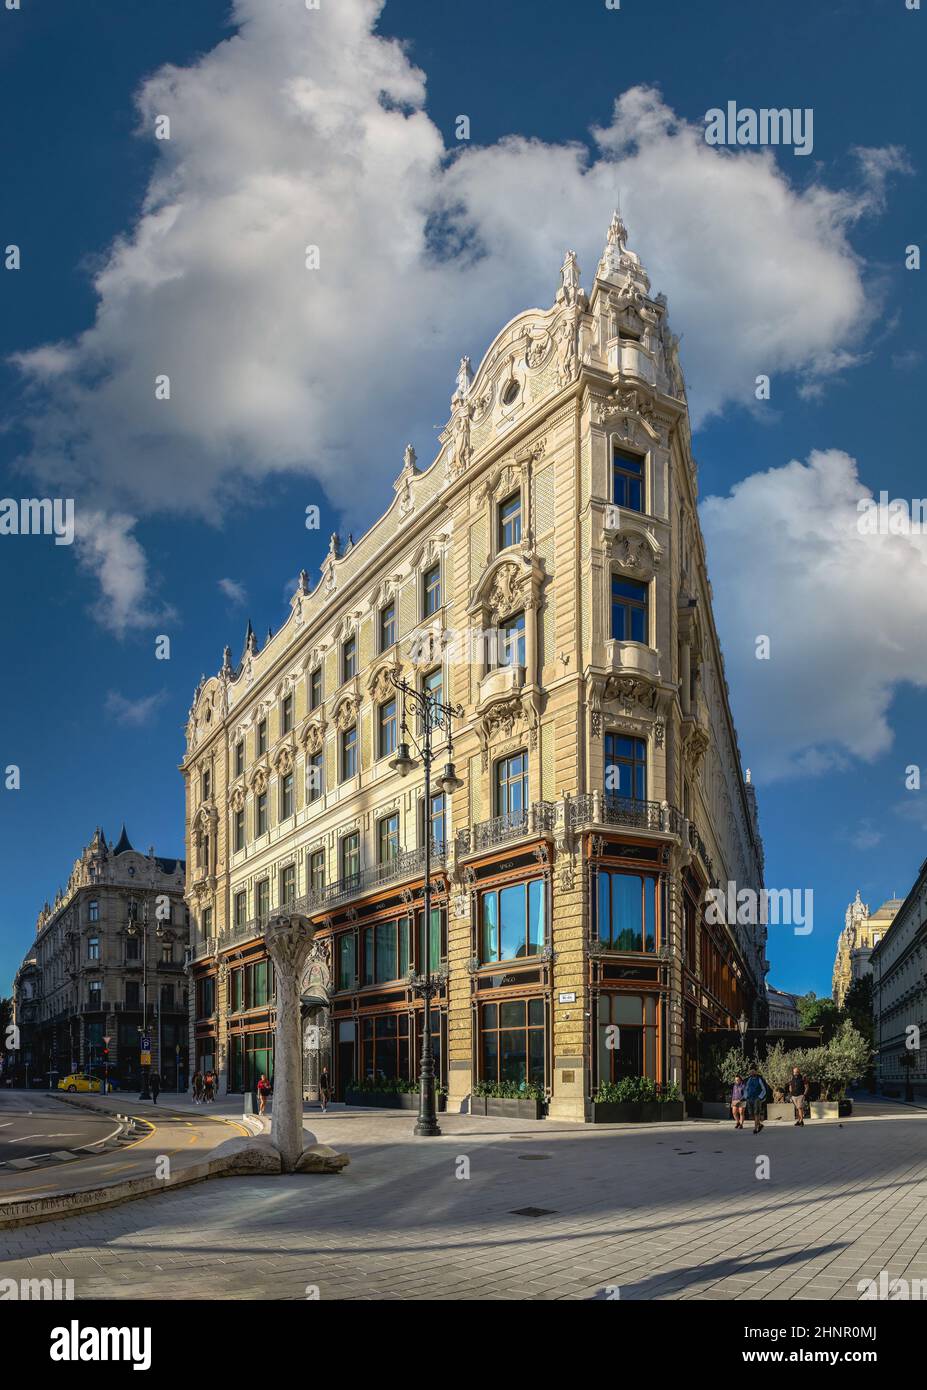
(79, 1081)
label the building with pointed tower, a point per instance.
(862, 932)
(107, 962)
(546, 577)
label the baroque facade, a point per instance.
(547, 575)
(899, 993)
(783, 1010)
(861, 934)
(109, 955)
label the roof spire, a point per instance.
(123, 843)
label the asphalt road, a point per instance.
(33, 1123)
(184, 1134)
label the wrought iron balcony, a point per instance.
(408, 863)
(206, 947)
(537, 819)
(604, 808)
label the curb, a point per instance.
(54, 1206)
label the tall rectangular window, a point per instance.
(286, 714)
(286, 795)
(241, 908)
(205, 783)
(387, 625)
(262, 898)
(513, 922)
(262, 737)
(93, 948)
(317, 871)
(437, 820)
(315, 687)
(435, 940)
(260, 814)
(349, 659)
(350, 856)
(629, 610)
(315, 774)
(626, 909)
(346, 966)
(93, 911)
(431, 591)
(239, 757)
(239, 829)
(386, 736)
(511, 790)
(512, 641)
(433, 689)
(388, 839)
(626, 766)
(510, 521)
(512, 1042)
(628, 481)
(349, 752)
(288, 885)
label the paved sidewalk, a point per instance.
(665, 1212)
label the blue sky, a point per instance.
(772, 262)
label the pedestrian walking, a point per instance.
(154, 1085)
(207, 1086)
(755, 1095)
(263, 1087)
(198, 1088)
(738, 1101)
(325, 1089)
(798, 1089)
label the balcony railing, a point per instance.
(406, 864)
(603, 808)
(537, 819)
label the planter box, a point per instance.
(507, 1108)
(814, 1110)
(389, 1100)
(612, 1112)
(694, 1109)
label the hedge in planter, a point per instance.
(636, 1100)
(507, 1099)
(390, 1095)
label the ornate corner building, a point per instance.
(546, 573)
(898, 962)
(109, 956)
(861, 933)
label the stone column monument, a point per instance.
(288, 938)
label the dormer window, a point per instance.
(510, 521)
(628, 481)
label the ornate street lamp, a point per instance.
(132, 930)
(432, 714)
(743, 1023)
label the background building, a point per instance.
(783, 1010)
(899, 997)
(546, 573)
(88, 972)
(855, 944)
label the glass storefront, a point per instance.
(626, 1036)
(512, 1036)
(250, 1055)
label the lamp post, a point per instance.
(132, 930)
(743, 1023)
(433, 713)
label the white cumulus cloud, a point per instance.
(306, 128)
(845, 613)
